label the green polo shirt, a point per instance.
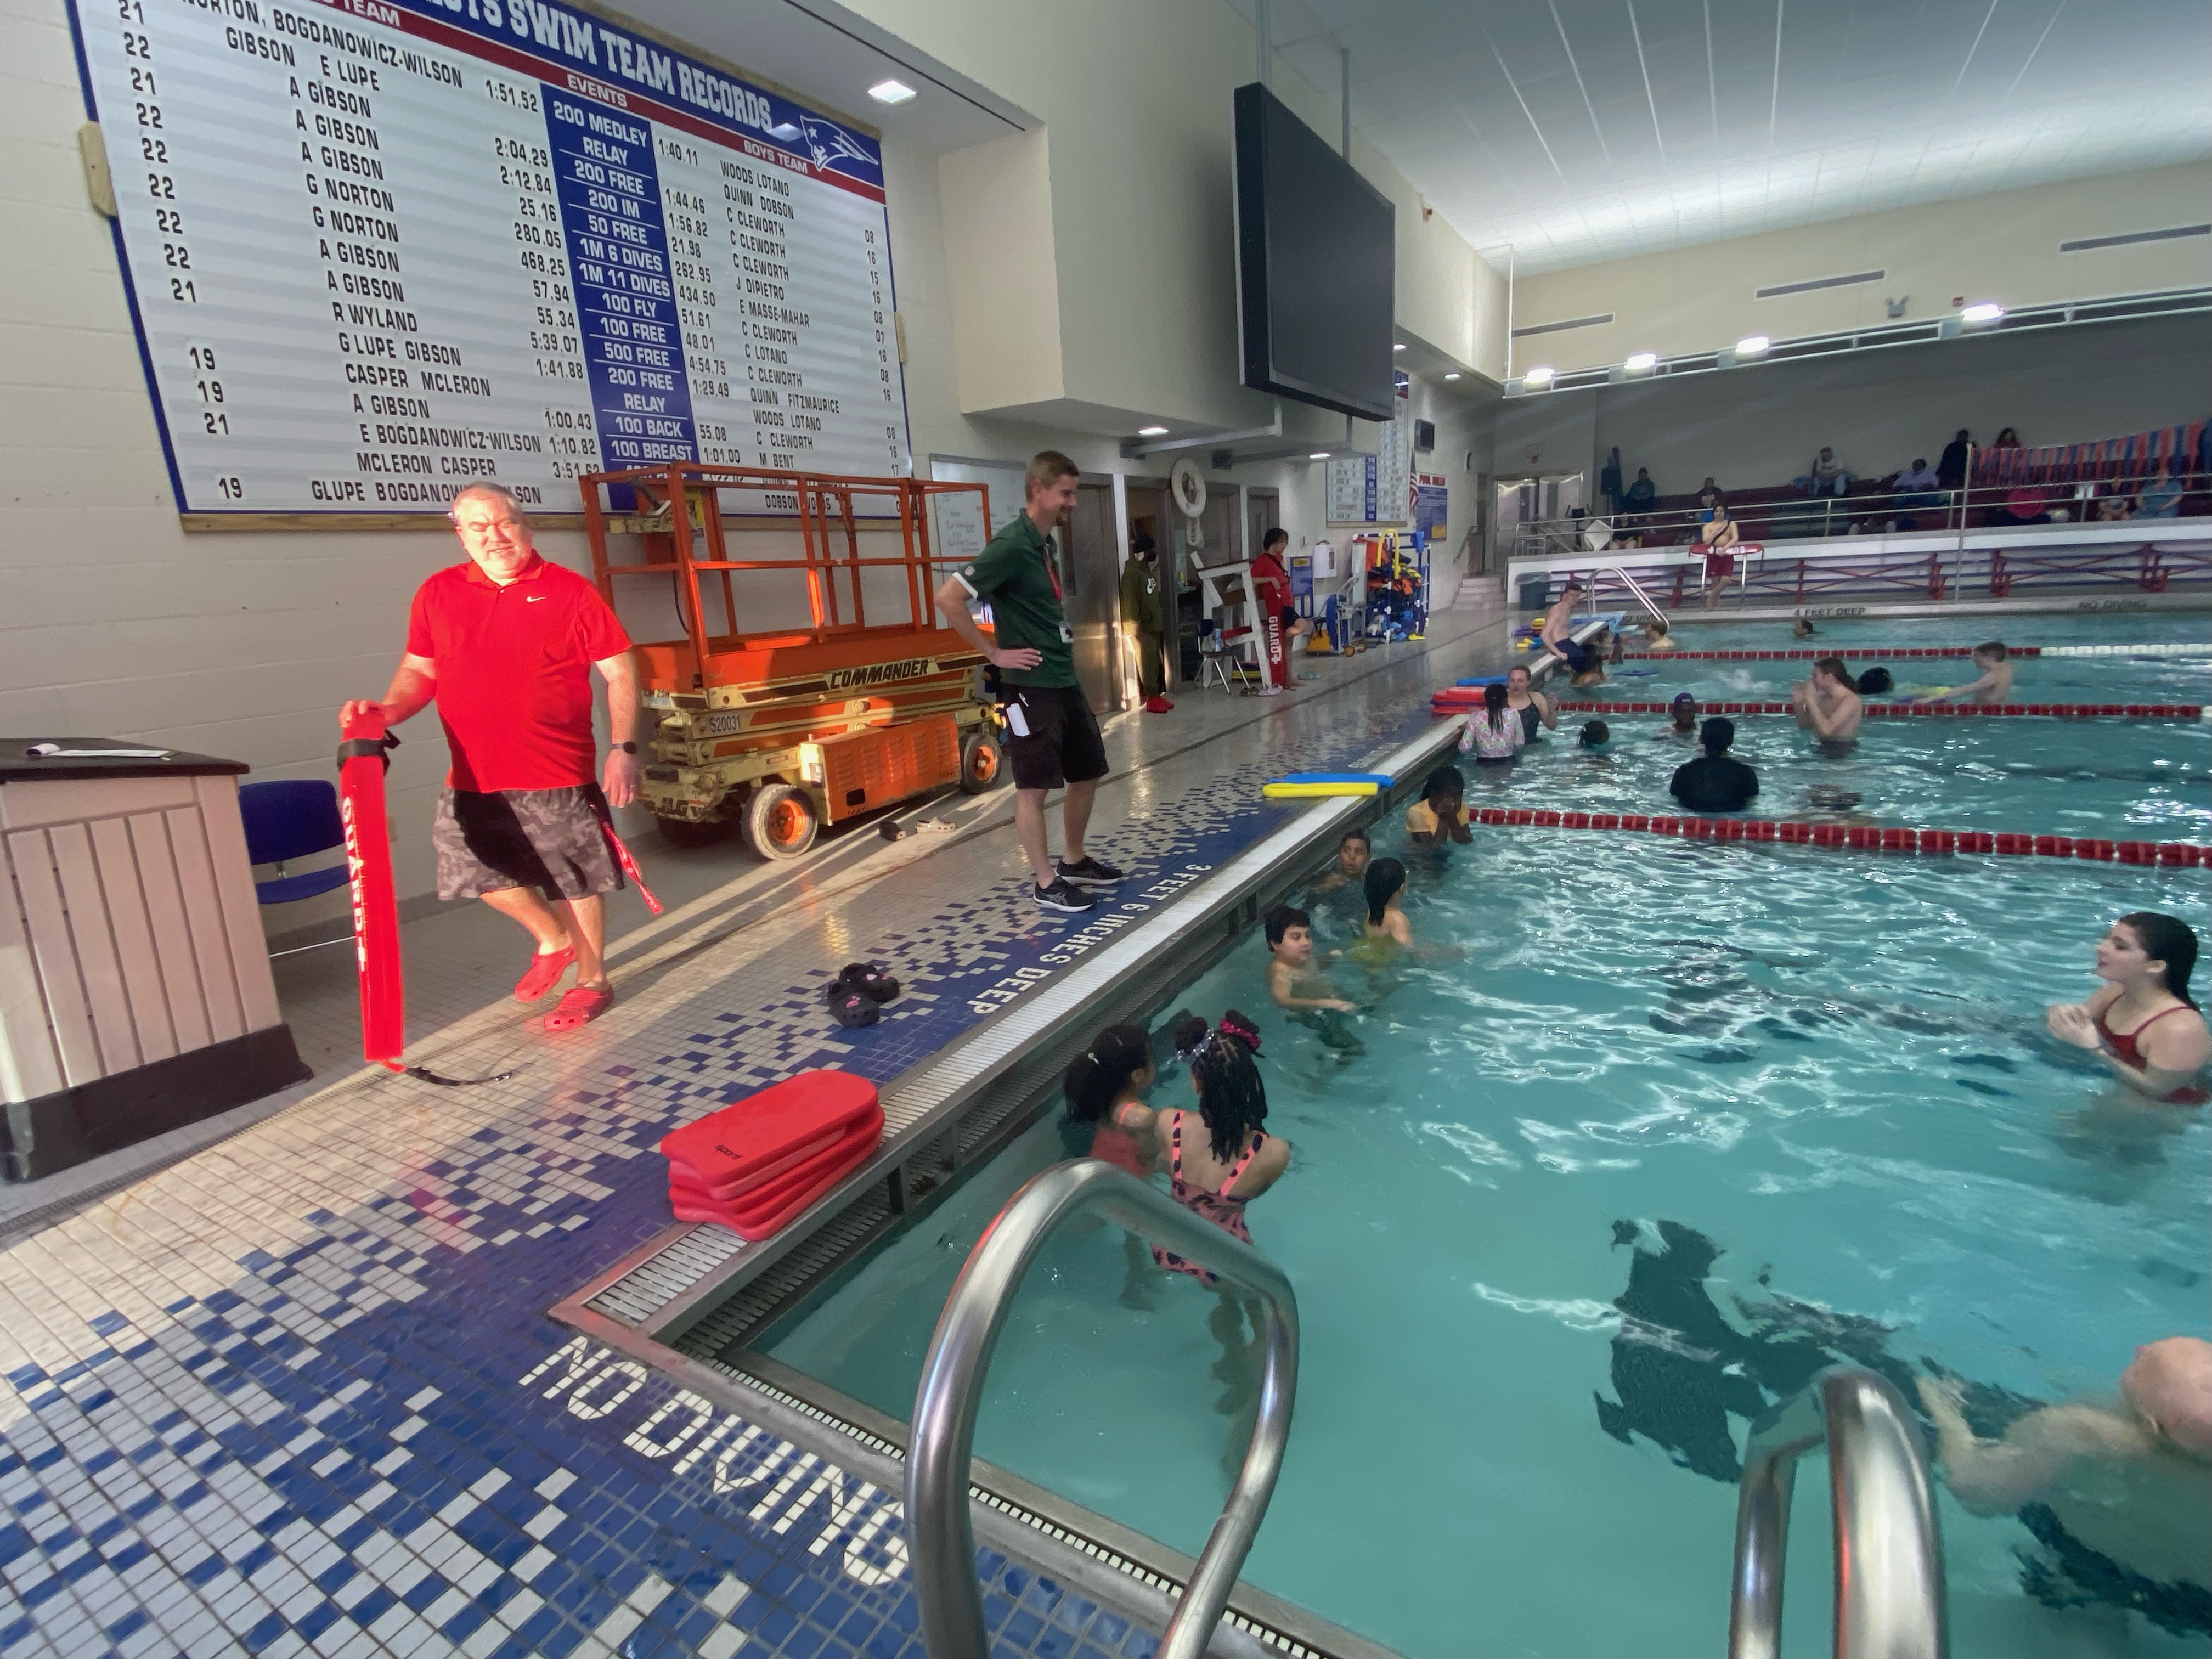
(1013, 577)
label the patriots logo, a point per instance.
(838, 150)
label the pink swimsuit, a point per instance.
(1223, 1211)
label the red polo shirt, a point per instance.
(514, 672)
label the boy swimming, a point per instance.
(1292, 979)
(1994, 684)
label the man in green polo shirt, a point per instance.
(1053, 738)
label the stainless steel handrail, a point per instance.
(940, 1533)
(1889, 1558)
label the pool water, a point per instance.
(1804, 1097)
(2117, 779)
(1830, 1073)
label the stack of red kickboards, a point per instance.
(754, 1165)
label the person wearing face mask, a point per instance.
(1141, 613)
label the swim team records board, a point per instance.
(380, 248)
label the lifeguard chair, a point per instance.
(802, 675)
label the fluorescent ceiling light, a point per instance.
(785, 130)
(1987, 312)
(1399, 346)
(890, 92)
(1642, 362)
(1751, 344)
(1318, 455)
(1151, 431)
(1537, 377)
(1454, 375)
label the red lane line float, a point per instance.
(1446, 702)
(1814, 654)
(1868, 838)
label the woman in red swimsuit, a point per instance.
(2143, 1021)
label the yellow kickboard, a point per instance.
(1308, 791)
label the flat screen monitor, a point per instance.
(1315, 265)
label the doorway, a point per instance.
(1090, 584)
(1151, 514)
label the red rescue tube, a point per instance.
(362, 763)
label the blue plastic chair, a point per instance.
(290, 819)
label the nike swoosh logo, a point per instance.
(533, 599)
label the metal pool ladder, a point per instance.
(940, 1534)
(1889, 1558)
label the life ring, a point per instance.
(1188, 486)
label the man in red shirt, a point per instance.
(504, 642)
(1280, 622)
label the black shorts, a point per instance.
(1575, 654)
(548, 839)
(1062, 745)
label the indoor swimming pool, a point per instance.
(1835, 1075)
(1805, 1099)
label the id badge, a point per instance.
(1066, 636)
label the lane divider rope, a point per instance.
(1459, 700)
(1875, 653)
(1860, 838)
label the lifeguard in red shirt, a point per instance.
(506, 643)
(1280, 622)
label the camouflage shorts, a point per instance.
(548, 839)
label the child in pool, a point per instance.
(1386, 920)
(1292, 979)
(1440, 815)
(1994, 684)
(1105, 1088)
(1352, 855)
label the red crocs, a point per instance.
(545, 970)
(583, 1004)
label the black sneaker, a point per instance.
(1061, 896)
(1089, 869)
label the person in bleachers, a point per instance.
(1827, 475)
(1708, 493)
(1951, 470)
(1641, 493)
(1918, 485)
(2113, 508)
(2006, 439)
(2161, 497)
(2030, 504)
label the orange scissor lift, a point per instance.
(809, 678)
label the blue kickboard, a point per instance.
(1484, 679)
(1381, 780)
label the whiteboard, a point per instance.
(377, 249)
(959, 529)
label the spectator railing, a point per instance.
(1798, 517)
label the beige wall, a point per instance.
(1141, 218)
(2002, 248)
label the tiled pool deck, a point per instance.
(297, 1393)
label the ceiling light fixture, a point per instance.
(1318, 455)
(1537, 377)
(1751, 344)
(1398, 346)
(1641, 363)
(1986, 311)
(1151, 431)
(787, 131)
(890, 92)
(1454, 375)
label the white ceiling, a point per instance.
(1575, 130)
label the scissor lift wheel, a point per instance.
(780, 821)
(983, 762)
